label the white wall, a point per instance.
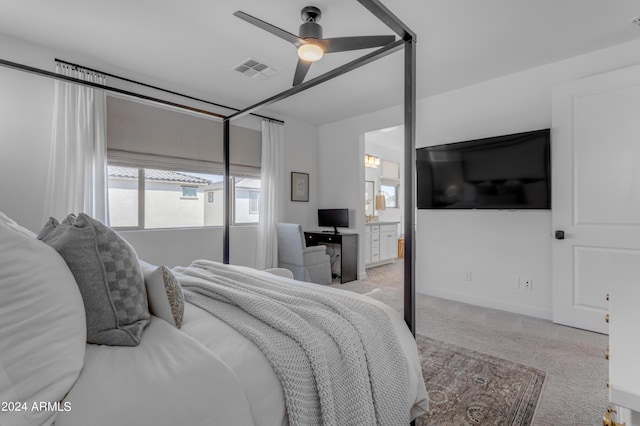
(301, 155)
(493, 245)
(26, 107)
(26, 111)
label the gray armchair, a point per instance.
(310, 264)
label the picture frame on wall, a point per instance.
(299, 186)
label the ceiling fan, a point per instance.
(309, 42)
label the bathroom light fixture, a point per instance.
(371, 161)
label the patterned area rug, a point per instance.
(471, 388)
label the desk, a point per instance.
(348, 251)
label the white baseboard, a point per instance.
(381, 262)
(490, 303)
(362, 275)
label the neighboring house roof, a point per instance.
(157, 175)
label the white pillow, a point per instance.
(10, 223)
(42, 327)
(166, 299)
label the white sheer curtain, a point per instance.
(77, 179)
(270, 194)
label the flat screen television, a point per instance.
(502, 172)
(335, 218)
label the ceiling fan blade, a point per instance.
(342, 44)
(301, 71)
(279, 32)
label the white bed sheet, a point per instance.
(261, 385)
(169, 379)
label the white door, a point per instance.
(596, 193)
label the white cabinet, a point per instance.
(622, 352)
(381, 243)
(625, 416)
(624, 346)
(375, 243)
(367, 245)
(388, 242)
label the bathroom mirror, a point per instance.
(368, 197)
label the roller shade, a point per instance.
(245, 154)
(142, 135)
(390, 171)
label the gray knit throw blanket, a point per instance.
(337, 358)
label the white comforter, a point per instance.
(169, 379)
(262, 387)
(206, 373)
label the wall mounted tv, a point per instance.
(336, 218)
(502, 172)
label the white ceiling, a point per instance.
(193, 44)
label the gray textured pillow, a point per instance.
(106, 269)
(53, 223)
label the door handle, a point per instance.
(559, 235)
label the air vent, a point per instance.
(255, 69)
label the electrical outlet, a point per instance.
(467, 276)
(527, 284)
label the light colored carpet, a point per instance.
(574, 393)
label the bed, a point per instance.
(201, 371)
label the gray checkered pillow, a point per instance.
(106, 269)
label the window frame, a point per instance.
(189, 197)
(141, 203)
(232, 195)
(396, 188)
(255, 210)
(141, 192)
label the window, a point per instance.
(390, 193)
(156, 181)
(246, 200)
(190, 192)
(156, 199)
(123, 197)
(254, 199)
(153, 198)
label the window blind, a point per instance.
(142, 135)
(390, 170)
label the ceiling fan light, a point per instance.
(310, 52)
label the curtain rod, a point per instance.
(56, 76)
(161, 89)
